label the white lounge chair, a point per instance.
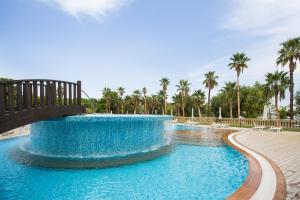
(259, 127)
(224, 126)
(216, 125)
(190, 122)
(175, 121)
(277, 129)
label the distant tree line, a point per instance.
(235, 100)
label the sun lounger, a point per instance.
(175, 121)
(219, 125)
(258, 127)
(277, 129)
(189, 122)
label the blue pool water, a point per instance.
(188, 172)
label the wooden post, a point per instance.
(2, 98)
(48, 93)
(65, 93)
(54, 99)
(59, 93)
(79, 93)
(10, 103)
(35, 94)
(42, 93)
(74, 94)
(19, 96)
(70, 93)
(27, 94)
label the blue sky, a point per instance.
(133, 43)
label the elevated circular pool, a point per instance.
(95, 141)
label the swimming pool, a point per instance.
(188, 172)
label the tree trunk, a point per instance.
(199, 112)
(277, 111)
(291, 90)
(165, 105)
(208, 106)
(182, 106)
(230, 107)
(238, 96)
(145, 106)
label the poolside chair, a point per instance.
(215, 125)
(175, 121)
(224, 126)
(189, 122)
(259, 127)
(277, 129)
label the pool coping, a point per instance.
(264, 181)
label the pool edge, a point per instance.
(261, 170)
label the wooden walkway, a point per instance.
(23, 102)
(284, 149)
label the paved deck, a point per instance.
(284, 149)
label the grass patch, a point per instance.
(292, 129)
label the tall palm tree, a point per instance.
(199, 97)
(183, 88)
(145, 99)
(153, 103)
(229, 90)
(106, 92)
(210, 82)
(121, 92)
(136, 96)
(165, 82)
(177, 103)
(238, 63)
(161, 99)
(289, 54)
(276, 84)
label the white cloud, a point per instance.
(264, 17)
(265, 23)
(92, 8)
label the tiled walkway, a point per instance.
(284, 149)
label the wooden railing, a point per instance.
(246, 122)
(26, 101)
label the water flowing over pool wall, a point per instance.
(99, 137)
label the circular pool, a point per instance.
(95, 141)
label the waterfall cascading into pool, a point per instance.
(96, 140)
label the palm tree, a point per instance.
(165, 82)
(199, 97)
(106, 92)
(121, 92)
(128, 103)
(289, 54)
(153, 103)
(238, 63)
(276, 84)
(183, 88)
(161, 99)
(210, 82)
(136, 96)
(145, 99)
(229, 90)
(177, 103)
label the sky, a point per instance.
(134, 43)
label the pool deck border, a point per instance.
(264, 181)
